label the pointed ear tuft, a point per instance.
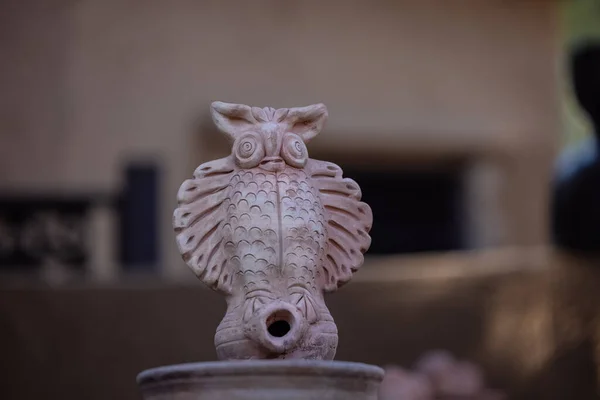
(231, 119)
(307, 121)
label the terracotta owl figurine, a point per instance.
(272, 230)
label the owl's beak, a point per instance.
(272, 164)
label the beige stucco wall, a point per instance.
(87, 83)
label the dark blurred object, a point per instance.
(139, 217)
(413, 210)
(576, 202)
(35, 230)
(437, 376)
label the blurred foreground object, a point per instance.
(437, 375)
(576, 202)
(400, 384)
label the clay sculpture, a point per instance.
(272, 230)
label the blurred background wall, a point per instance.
(104, 112)
(90, 85)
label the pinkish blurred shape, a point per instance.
(449, 376)
(399, 384)
(437, 375)
(435, 363)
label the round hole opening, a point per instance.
(280, 323)
(279, 328)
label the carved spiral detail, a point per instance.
(294, 150)
(248, 150)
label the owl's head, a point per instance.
(268, 138)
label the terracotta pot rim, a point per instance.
(342, 369)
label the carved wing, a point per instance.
(348, 222)
(198, 221)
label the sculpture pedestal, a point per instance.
(262, 380)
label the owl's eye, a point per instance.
(293, 150)
(248, 150)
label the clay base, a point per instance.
(262, 380)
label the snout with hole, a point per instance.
(278, 327)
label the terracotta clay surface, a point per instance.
(272, 230)
(262, 380)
